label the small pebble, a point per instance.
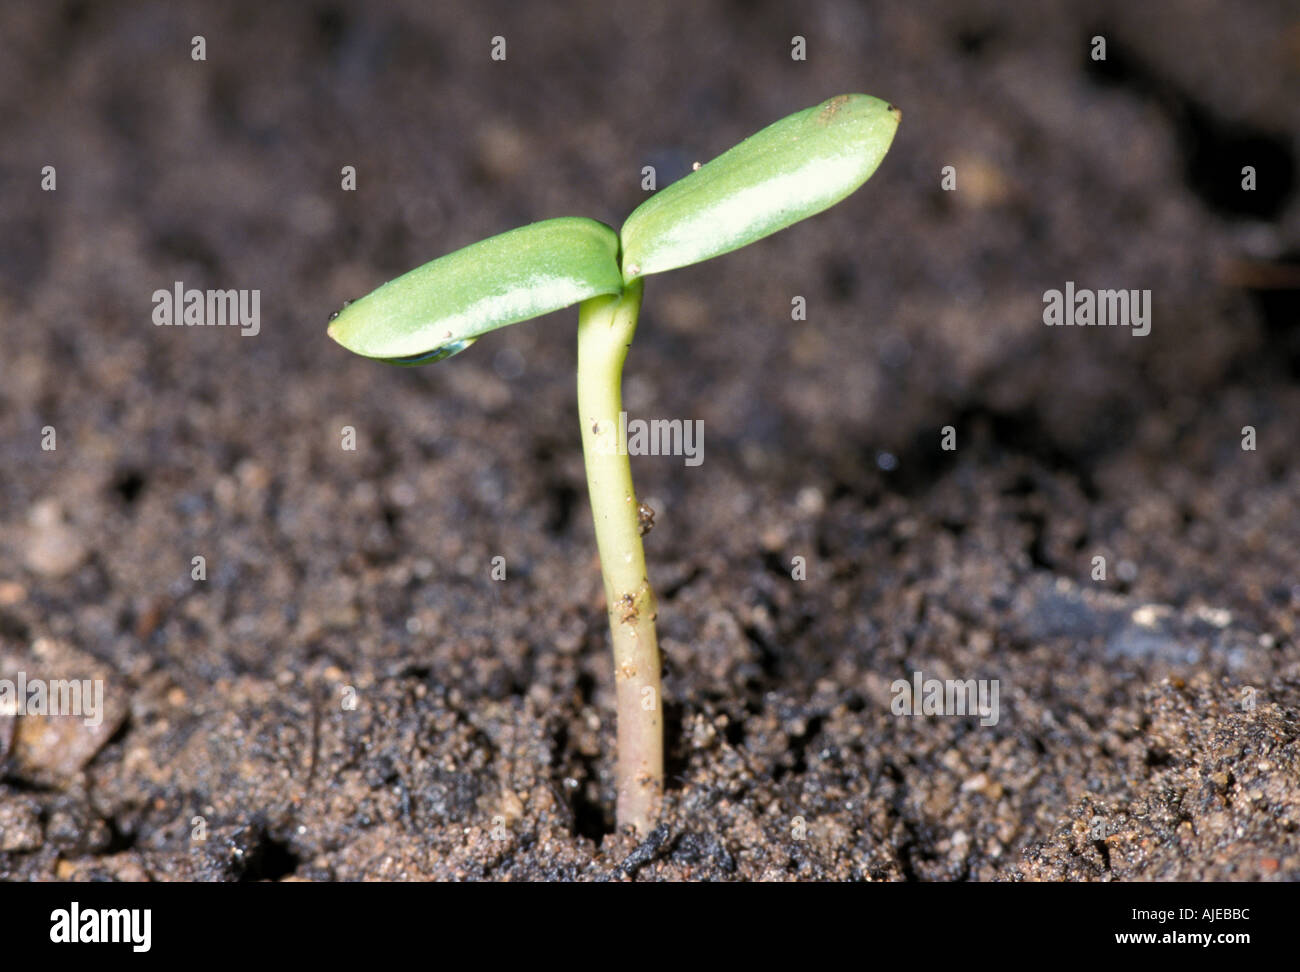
(54, 549)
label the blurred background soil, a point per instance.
(1149, 721)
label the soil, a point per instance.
(348, 694)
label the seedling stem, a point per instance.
(605, 329)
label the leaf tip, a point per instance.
(332, 327)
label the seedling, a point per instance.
(790, 170)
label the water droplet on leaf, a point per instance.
(340, 310)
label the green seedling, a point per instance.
(789, 171)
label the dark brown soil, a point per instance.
(1150, 722)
